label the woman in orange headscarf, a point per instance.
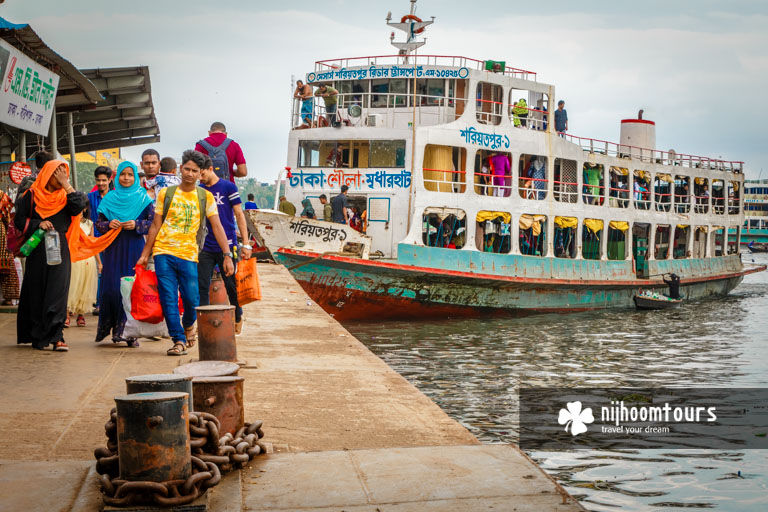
(51, 204)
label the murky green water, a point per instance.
(472, 369)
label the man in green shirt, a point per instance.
(327, 209)
(329, 94)
(286, 206)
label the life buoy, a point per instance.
(413, 18)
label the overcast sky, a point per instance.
(699, 68)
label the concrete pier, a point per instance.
(348, 433)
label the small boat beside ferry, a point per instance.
(476, 205)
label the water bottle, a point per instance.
(32, 242)
(52, 248)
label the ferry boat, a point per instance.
(474, 204)
(755, 213)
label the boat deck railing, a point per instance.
(454, 61)
(608, 148)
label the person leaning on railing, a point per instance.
(329, 95)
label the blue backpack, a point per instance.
(219, 158)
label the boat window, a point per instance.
(445, 168)
(733, 239)
(661, 243)
(733, 197)
(594, 176)
(444, 227)
(389, 92)
(617, 239)
(680, 242)
(592, 232)
(351, 153)
(718, 240)
(430, 91)
(528, 109)
(490, 103)
(458, 89)
(387, 153)
(662, 191)
(565, 183)
(718, 197)
(493, 232)
(701, 195)
(565, 236)
(641, 232)
(682, 194)
(532, 174)
(493, 173)
(618, 191)
(533, 234)
(700, 242)
(641, 189)
(353, 92)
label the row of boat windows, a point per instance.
(361, 154)
(502, 174)
(447, 228)
(525, 109)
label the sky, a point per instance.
(696, 67)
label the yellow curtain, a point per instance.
(566, 222)
(532, 221)
(619, 224)
(701, 228)
(735, 186)
(594, 225)
(700, 181)
(682, 226)
(665, 177)
(619, 170)
(483, 216)
(441, 159)
(645, 175)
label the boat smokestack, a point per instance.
(637, 134)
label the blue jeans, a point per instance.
(174, 276)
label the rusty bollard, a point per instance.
(222, 397)
(160, 382)
(153, 437)
(217, 292)
(207, 369)
(216, 333)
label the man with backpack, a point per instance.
(226, 154)
(174, 239)
(230, 209)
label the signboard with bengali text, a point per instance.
(27, 93)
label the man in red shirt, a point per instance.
(236, 161)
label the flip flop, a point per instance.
(60, 346)
(176, 351)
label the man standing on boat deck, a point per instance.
(561, 119)
(327, 208)
(304, 93)
(232, 158)
(339, 206)
(329, 95)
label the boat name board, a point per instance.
(490, 140)
(354, 180)
(328, 234)
(387, 72)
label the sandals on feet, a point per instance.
(132, 342)
(178, 349)
(191, 334)
(60, 346)
(80, 321)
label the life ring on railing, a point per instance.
(413, 18)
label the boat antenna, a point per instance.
(413, 26)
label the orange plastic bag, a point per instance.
(145, 301)
(248, 287)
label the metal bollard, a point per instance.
(207, 369)
(160, 382)
(216, 333)
(153, 436)
(222, 397)
(217, 292)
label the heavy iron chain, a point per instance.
(121, 493)
(227, 452)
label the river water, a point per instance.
(472, 369)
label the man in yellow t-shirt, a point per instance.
(172, 240)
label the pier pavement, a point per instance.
(348, 433)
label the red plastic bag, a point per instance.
(145, 301)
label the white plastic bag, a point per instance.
(134, 328)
